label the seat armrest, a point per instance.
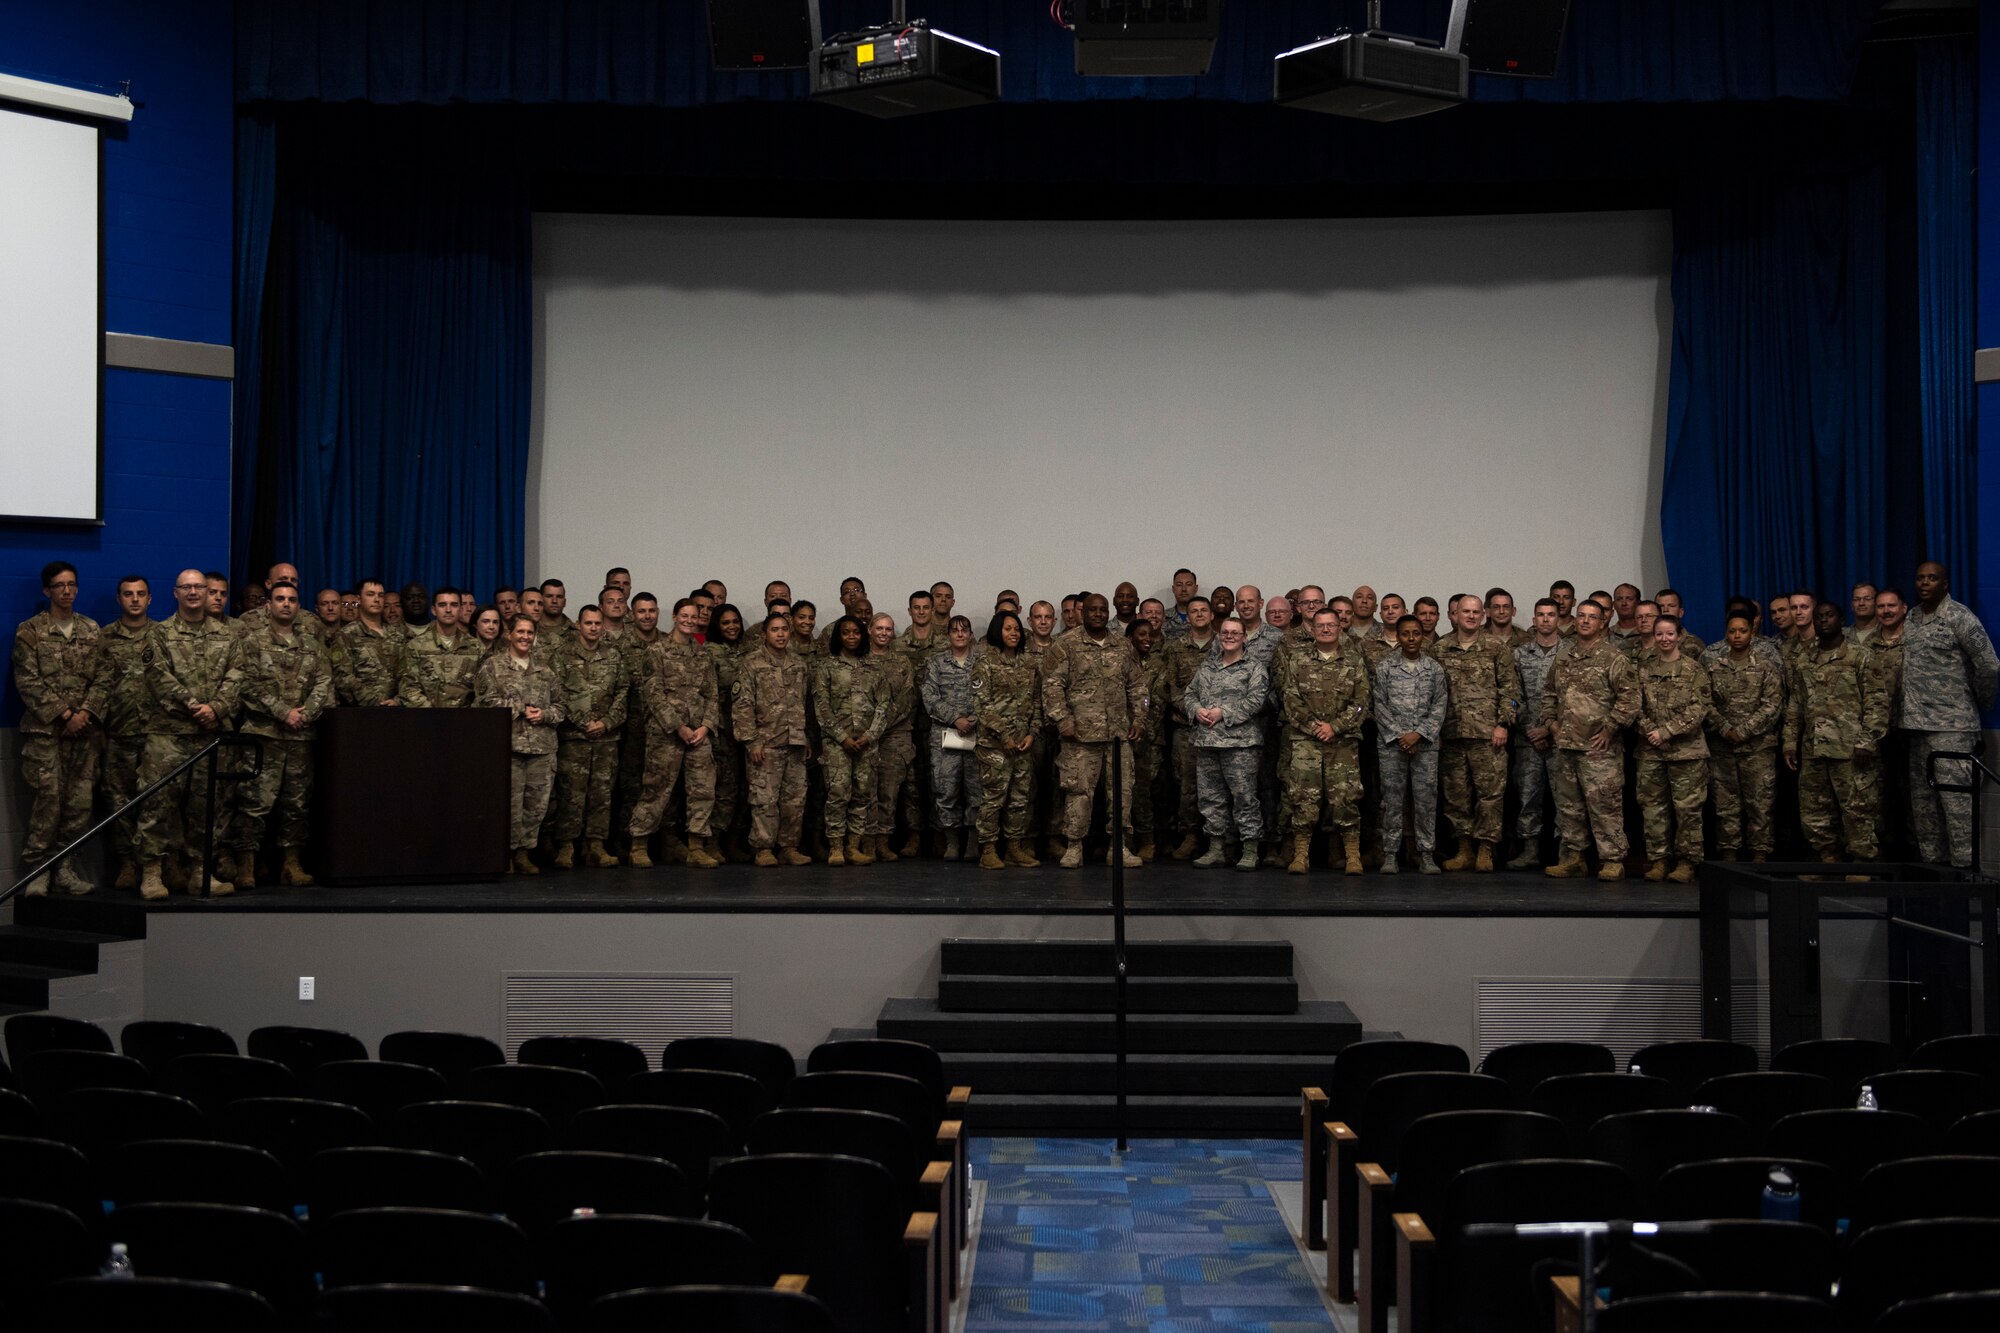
(920, 1272)
(938, 1192)
(1375, 1286)
(954, 1143)
(790, 1282)
(955, 1101)
(1312, 1168)
(1341, 1148)
(1416, 1275)
(1568, 1302)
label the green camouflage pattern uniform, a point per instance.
(1228, 753)
(1671, 781)
(915, 796)
(728, 754)
(681, 691)
(896, 751)
(1743, 775)
(369, 667)
(187, 663)
(947, 696)
(1007, 701)
(1333, 689)
(1485, 692)
(1183, 657)
(1043, 813)
(1149, 752)
(768, 710)
(438, 674)
(275, 673)
(1949, 678)
(1531, 766)
(503, 682)
(1893, 835)
(851, 700)
(1592, 690)
(595, 688)
(55, 669)
(1409, 696)
(637, 652)
(1837, 716)
(119, 698)
(1096, 686)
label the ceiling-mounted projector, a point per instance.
(1146, 38)
(904, 68)
(1372, 75)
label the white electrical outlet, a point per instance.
(305, 988)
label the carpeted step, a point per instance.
(1143, 958)
(1147, 1116)
(968, 993)
(999, 1073)
(1319, 1027)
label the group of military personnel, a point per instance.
(1249, 723)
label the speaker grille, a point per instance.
(1624, 1013)
(648, 1009)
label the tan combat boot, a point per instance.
(594, 855)
(293, 873)
(1683, 872)
(1462, 861)
(1571, 866)
(836, 855)
(1020, 852)
(765, 857)
(246, 873)
(525, 864)
(1351, 839)
(70, 882)
(673, 851)
(1657, 871)
(1611, 871)
(1072, 856)
(1484, 863)
(913, 845)
(989, 857)
(1301, 854)
(792, 856)
(151, 886)
(128, 876)
(565, 858)
(1184, 849)
(857, 850)
(639, 856)
(883, 851)
(698, 857)
(1145, 848)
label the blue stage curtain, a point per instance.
(256, 196)
(655, 52)
(1947, 90)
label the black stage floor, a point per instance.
(933, 887)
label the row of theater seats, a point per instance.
(424, 1165)
(1406, 1149)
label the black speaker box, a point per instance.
(762, 34)
(1518, 37)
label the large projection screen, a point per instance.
(51, 353)
(1427, 406)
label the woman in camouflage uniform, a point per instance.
(947, 691)
(851, 701)
(896, 751)
(1007, 702)
(725, 645)
(524, 684)
(486, 629)
(1749, 692)
(1150, 750)
(1671, 776)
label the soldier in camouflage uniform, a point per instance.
(522, 683)
(1532, 746)
(924, 638)
(729, 821)
(1007, 704)
(642, 631)
(438, 661)
(596, 692)
(1675, 704)
(119, 697)
(896, 751)
(1225, 704)
(369, 668)
(851, 700)
(1485, 690)
(1500, 625)
(946, 690)
(187, 662)
(1323, 698)
(55, 666)
(683, 710)
(1149, 752)
(1095, 692)
(1045, 810)
(768, 710)
(1749, 691)
(1590, 696)
(1410, 698)
(1183, 657)
(1667, 602)
(284, 683)
(556, 629)
(1885, 644)
(1949, 678)
(1837, 715)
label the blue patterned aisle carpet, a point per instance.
(1175, 1236)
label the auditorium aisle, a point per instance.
(1175, 1236)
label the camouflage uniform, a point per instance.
(438, 674)
(1513, 638)
(503, 682)
(1007, 701)
(1097, 686)
(728, 754)
(896, 751)
(1318, 688)
(636, 649)
(274, 674)
(916, 794)
(1591, 690)
(187, 663)
(1531, 766)
(1149, 752)
(1262, 645)
(1485, 689)
(768, 710)
(1183, 657)
(947, 694)
(1949, 675)
(55, 669)
(1749, 700)
(1672, 780)
(369, 667)
(119, 698)
(552, 635)
(596, 687)
(1839, 704)
(1409, 696)
(681, 690)
(851, 699)
(1227, 754)
(1042, 811)
(1892, 767)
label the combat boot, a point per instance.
(1216, 854)
(698, 855)
(70, 882)
(1132, 861)
(1484, 863)
(836, 855)
(1145, 848)
(524, 864)
(565, 858)
(989, 857)
(857, 850)
(1425, 866)
(1529, 859)
(151, 887)
(1184, 849)
(1759, 858)
(1301, 854)
(1271, 856)
(38, 887)
(792, 856)
(764, 857)
(175, 872)
(1825, 859)
(1571, 866)
(638, 856)
(1351, 840)
(225, 863)
(1851, 879)
(128, 876)
(1072, 856)
(1611, 872)
(1683, 872)
(594, 855)
(883, 851)
(941, 844)
(913, 845)
(246, 873)
(1656, 872)
(673, 851)
(1463, 860)
(1389, 866)
(1250, 860)
(293, 873)
(1021, 853)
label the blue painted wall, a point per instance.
(167, 273)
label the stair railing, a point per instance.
(1117, 804)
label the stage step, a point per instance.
(1000, 1073)
(1098, 994)
(52, 947)
(1318, 1027)
(55, 938)
(1143, 958)
(1145, 1116)
(97, 914)
(28, 983)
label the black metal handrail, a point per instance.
(1981, 774)
(211, 752)
(1117, 804)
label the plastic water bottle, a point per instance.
(1781, 1196)
(119, 1264)
(1635, 1070)
(1866, 1101)
(1702, 1106)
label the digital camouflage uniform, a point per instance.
(1949, 676)
(1531, 766)
(1743, 775)
(502, 682)
(1485, 689)
(915, 796)
(1149, 752)
(438, 674)
(1007, 701)
(851, 700)
(1671, 781)
(1044, 811)
(120, 699)
(596, 687)
(1591, 690)
(369, 667)
(681, 690)
(1892, 830)
(274, 674)
(1097, 686)
(1335, 690)
(55, 669)
(768, 710)
(636, 649)
(187, 663)
(1839, 705)
(1182, 658)
(729, 804)
(947, 695)
(896, 751)
(1409, 696)
(1227, 753)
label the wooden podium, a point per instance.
(412, 795)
